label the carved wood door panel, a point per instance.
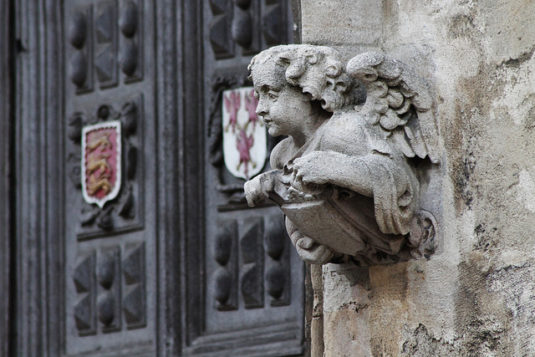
(252, 288)
(110, 248)
(88, 274)
(131, 235)
(6, 179)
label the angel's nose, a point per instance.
(261, 108)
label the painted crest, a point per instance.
(244, 136)
(101, 162)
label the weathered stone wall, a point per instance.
(476, 295)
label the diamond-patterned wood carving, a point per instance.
(131, 53)
(134, 304)
(106, 43)
(108, 301)
(225, 254)
(110, 290)
(85, 284)
(278, 268)
(252, 257)
(81, 59)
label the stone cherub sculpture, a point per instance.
(345, 175)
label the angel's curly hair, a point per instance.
(317, 70)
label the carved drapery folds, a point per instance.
(360, 137)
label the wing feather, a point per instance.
(428, 131)
(399, 139)
(402, 101)
(416, 142)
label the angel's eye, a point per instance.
(269, 91)
(272, 95)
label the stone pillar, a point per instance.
(476, 294)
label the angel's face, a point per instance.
(284, 109)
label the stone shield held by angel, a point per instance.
(346, 175)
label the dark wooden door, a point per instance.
(252, 288)
(174, 263)
(7, 314)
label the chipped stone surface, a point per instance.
(346, 313)
(476, 295)
(526, 190)
(335, 22)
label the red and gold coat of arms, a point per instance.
(101, 162)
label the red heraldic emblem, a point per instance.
(101, 162)
(244, 136)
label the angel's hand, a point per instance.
(311, 251)
(316, 167)
(257, 189)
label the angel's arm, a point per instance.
(329, 167)
(359, 174)
(390, 183)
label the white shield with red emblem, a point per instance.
(101, 162)
(244, 135)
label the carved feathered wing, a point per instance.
(398, 101)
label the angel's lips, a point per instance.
(268, 122)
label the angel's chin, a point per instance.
(273, 130)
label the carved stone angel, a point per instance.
(345, 175)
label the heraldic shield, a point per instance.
(101, 162)
(244, 135)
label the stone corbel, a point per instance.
(359, 135)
